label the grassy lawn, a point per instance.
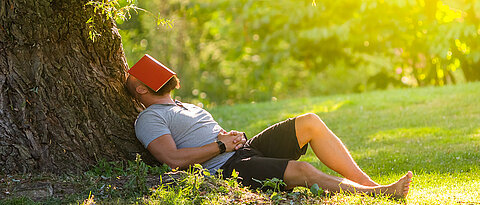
(434, 132)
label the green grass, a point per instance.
(435, 132)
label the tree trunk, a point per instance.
(62, 99)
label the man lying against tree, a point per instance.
(182, 134)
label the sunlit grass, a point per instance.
(435, 132)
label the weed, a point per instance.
(316, 190)
(123, 179)
(270, 184)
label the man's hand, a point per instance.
(233, 140)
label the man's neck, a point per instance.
(155, 99)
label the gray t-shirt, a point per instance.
(190, 126)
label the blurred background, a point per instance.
(237, 51)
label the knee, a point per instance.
(309, 116)
(310, 121)
(304, 168)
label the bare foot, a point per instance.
(400, 188)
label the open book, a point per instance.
(151, 72)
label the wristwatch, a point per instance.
(221, 146)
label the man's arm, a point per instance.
(164, 149)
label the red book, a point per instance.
(151, 72)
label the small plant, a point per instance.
(273, 183)
(233, 180)
(190, 188)
(138, 171)
(107, 169)
(133, 173)
(274, 187)
(316, 190)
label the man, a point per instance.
(181, 135)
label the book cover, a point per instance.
(151, 72)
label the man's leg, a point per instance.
(304, 174)
(329, 149)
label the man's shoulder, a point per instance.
(156, 109)
(152, 113)
(150, 124)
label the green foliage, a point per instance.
(273, 187)
(135, 171)
(275, 184)
(108, 169)
(316, 190)
(119, 11)
(108, 9)
(233, 180)
(197, 187)
(17, 201)
(250, 51)
(139, 171)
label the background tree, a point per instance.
(247, 50)
(62, 98)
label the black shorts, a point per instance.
(266, 155)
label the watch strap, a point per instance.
(221, 146)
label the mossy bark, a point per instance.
(62, 99)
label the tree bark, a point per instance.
(63, 104)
